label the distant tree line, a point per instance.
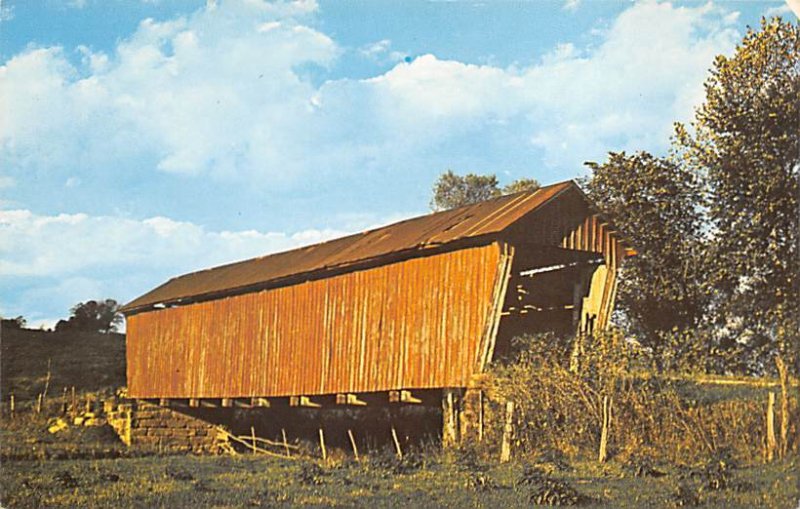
(93, 316)
(90, 316)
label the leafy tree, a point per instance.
(451, 190)
(654, 203)
(745, 143)
(521, 185)
(93, 316)
(13, 323)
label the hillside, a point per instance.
(88, 361)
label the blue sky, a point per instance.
(143, 139)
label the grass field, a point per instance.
(248, 481)
(89, 467)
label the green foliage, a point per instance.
(745, 143)
(717, 225)
(451, 191)
(654, 202)
(93, 316)
(522, 185)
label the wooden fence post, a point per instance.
(397, 444)
(603, 454)
(285, 443)
(322, 445)
(771, 442)
(784, 376)
(13, 406)
(353, 443)
(508, 433)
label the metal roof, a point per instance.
(416, 234)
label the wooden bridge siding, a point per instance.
(412, 324)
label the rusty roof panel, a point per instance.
(418, 233)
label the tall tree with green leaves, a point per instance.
(451, 190)
(653, 203)
(745, 144)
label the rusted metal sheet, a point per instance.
(425, 322)
(475, 222)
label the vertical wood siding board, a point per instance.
(427, 325)
(377, 361)
(462, 301)
(390, 334)
(281, 355)
(478, 292)
(323, 332)
(345, 352)
(462, 304)
(306, 368)
(441, 360)
(280, 360)
(132, 353)
(318, 306)
(436, 359)
(380, 355)
(422, 326)
(363, 303)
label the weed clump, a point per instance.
(481, 482)
(642, 466)
(544, 490)
(685, 496)
(312, 474)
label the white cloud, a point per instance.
(219, 93)
(571, 5)
(781, 10)
(6, 182)
(6, 12)
(50, 262)
(71, 245)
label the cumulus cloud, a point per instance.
(781, 10)
(50, 262)
(220, 92)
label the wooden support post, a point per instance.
(303, 401)
(771, 441)
(783, 373)
(13, 405)
(603, 453)
(508, 433)
(403, 396)
(450, 425)
(353, 443)
(285, 443)
(194, 403)
(397, 444)
(349, 399)
(161, 401)
(226, 402)
(253, 438)
(322, 445)
(480, 416)
(259, 402)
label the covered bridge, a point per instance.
(423, 304)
